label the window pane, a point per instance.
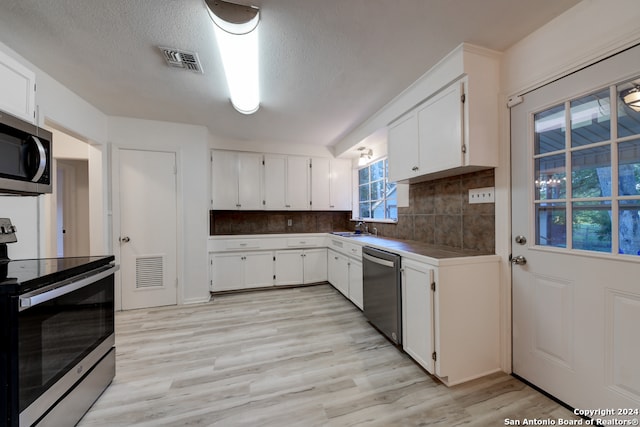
(629, 226)
(377, 190)
(550, 129)
(629, 168)
(591, 119)
(363, 175)
(365, 210)
(591, 172)
(551, 219)
(364, 193)
(551, 178)
(392, 209)
(628, 119)
(592, 226)
(377, 170)
(378, 209)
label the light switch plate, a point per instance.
(482, 195)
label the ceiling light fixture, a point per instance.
(236, 29)
(364, 157)
(631, 97)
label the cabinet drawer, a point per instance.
(243, 244)
(353, 250)
(303, 242)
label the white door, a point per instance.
(576, 237)
(148, 228)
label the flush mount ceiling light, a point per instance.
(364, 156)
(631, 97)
(236, 29)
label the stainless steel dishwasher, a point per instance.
(382, 292)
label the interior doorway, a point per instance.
(72, 207)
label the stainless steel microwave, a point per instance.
(25, 157)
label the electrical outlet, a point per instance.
(482, 195)
(289, 222)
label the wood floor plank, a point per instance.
(288, 357)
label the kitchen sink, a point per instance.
(347, 233)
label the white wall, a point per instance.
(191, 143)
(57, 106)
(586, 33)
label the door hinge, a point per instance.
(274, 277)
(262, 162)
(264, 202)
(434, 356)
(464, 148)
(274, 258)
(433, 286)
(463, 98)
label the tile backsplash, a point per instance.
(271, 222)
(439, 213)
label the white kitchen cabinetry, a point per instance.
(286, 182)
(241, 270)
(452, 329)
(417, 313)
(236, 180)
(300, 266)
(330, 184)
(18, 88)
(455, 129)
(403, 148)
(345, 270)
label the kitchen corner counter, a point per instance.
(438, 255)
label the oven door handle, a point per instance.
(378, 260)
(32, 299)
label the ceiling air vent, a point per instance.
(182, 59)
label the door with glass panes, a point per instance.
(576, 236)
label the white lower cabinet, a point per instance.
(300, 266)
(417, 313)
(233, 271)
(345, 274)
(450, 316)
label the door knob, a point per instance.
(521, 240)
(125, 239)
(519, 260)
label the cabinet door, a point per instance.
(289, 267)
(338, 272)
(403, 148)
(417, 316)
(315, 265)
(440, 122)
(258, 269)
(275, 181)
(355, 283)
(320, 178)
(18, 88)
(297, 183)
(340, 185)
(224, 180)
(250, 181)
(227, 272)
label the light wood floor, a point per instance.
(291, 357)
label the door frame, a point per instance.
(116, 211)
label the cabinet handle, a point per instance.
(332, 206)
(335, 257)
(238, 205)
(415, 168)
(287, 206)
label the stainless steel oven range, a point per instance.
(57, 352)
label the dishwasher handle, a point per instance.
(378, 260)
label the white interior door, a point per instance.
(576, 238)
(148, 228)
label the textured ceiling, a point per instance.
(326, 65)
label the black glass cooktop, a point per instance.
(24, 275)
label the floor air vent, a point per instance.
(182, 59)
(149, 272)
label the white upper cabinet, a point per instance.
(330, 184)
(236, 180)
(286, 182)
(403, 148)
(454, 129)
(18, 88)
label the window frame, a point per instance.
(385, 196)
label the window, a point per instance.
(377, 196)
(587, 174)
